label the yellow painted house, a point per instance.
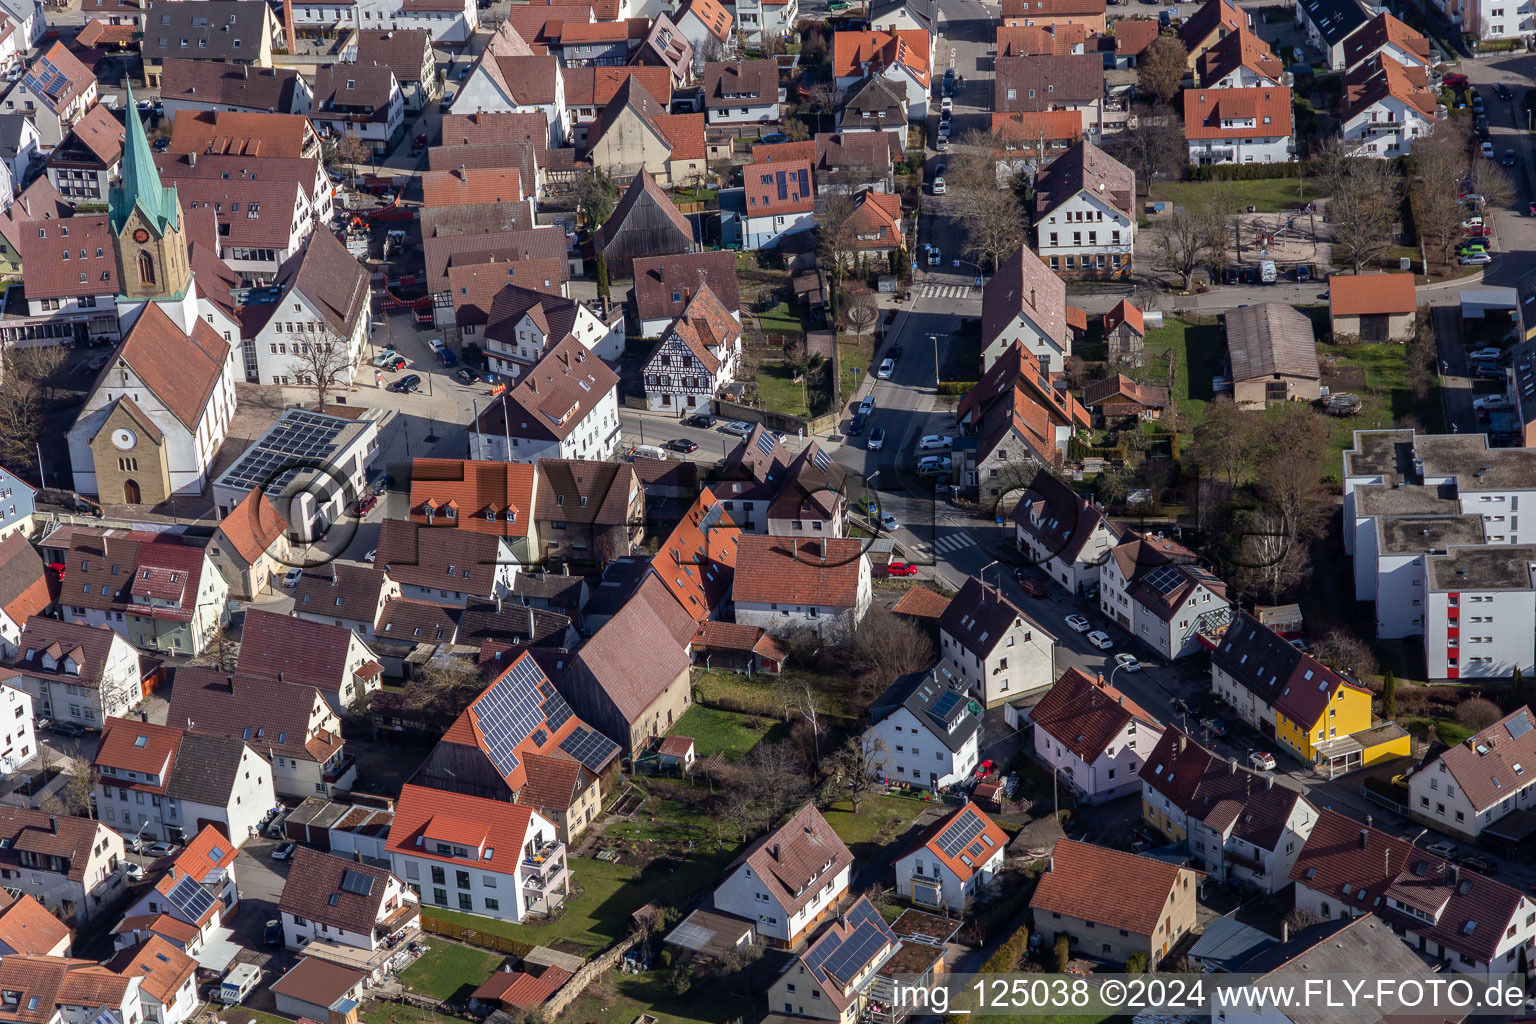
(1315, 714)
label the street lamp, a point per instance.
(982, 573)
(935, 339)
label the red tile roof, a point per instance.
(487, 497)
(876, 220)
(473, 185)
(595, 86)
(858, 54)
(475, 822)
(1384, 30)
(967, 861)
(1240, 49)
(659, 278)
(132, 746)
(697, 561)
(922, 603)
(1033, 40)
(1269, 107)
(1086, 715)
(712, 15)
(823, 571)
(794, 860)
(293, 650)
(27, 927)
(23, 580)
(1051, 8)
(164, 968)
(1108, 887)
(1379, 77)
(44, 246)
(1371, 294)
(1125, 313)
(776, 189)
(252, 526)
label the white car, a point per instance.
(1487, 151)
(935, 442)
(929, 463)
(947, 103)
(1100, 639)
(935, 258)
(1263, 760)
(435, 344)
(1491, 352)
(1077, 623)
(1476, 259)
(1491, 402)
(1128, 662)
(292, 576)
(943, 129)
(884, 373)
(135, 872)
(888, 522)
(938, 186)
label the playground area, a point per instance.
(1289, 238)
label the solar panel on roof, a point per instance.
(592, 749)
(854, 953)
(557, 711)
(1518, 726)
(1165, 579)
(765, 443)
(960, 834)
(820, 459)
(356, 881)
(783, 183)
(945, 704)
(508, 712)
(191, 899)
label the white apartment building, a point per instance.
(954, 861)
(761, 20)
(1085, 212)
(1433, 524)
(448, 21)
(1150, 590)
(988, 642)
(18, 728)
(565, 407)
(478, 856)
(1093, 737)
(789, 880)
(1384, 107)
(320, 297)
(1062, 534)
(73, 672)
(1239, 126)
(349, 903)
(68, 864)
(925, 730)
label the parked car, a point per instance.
(134, 872)
(1442, 849)
(736, 428)
(935, 257)
(1472, 246)
(382, 484)
(1491, 402)
(1475, 259)
(876, 439)
(985, 768)
(867, 406)
(161, 850)
(857, 424)
(1028, 583)
(938, 186)
(1477, 862)
(133, 844)
(70, 729)
(464, 375)
(699, 419)
(933, 463)
(884, 373)
(446, 357)
(292, 576)
(1128, 662)
(1100, 639)
(1488, 371)
(283, 851)
(888, 522)
(947, 103)
(364, 505)
(1487, 149)
(682, 444)
(386, 359)
(935, 442)
(1077, 623)
(407, 385)
(1216, 726)
(1263, 760)
(1486, 352)
(1509, 158)
(943, 144)
(1502, 91)
(272, 934)
(901, 569)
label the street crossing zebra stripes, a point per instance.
(945, 545)
(948, 291)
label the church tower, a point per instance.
(148, 237)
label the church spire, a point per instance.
(141, 185)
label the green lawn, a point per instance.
(781, 319)
(779, 392)
(600, 916)
(1268, 195)
(880, 819)
(1385, 399)
(241, 1014)
(720, 732)
(450, 972)
(759, 694)
(853, 353)
(1198, 351)
(1447, 730)
(399, 1013)
(623, 997)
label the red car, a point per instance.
(364, 505)
(901, 569)
(985, 768)
(1031, 586)
(57, 567)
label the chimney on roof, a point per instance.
(498, 604)
(192, 159)
(53, 823)
(1370, 820)
(1269, 781)
(335, 575)
(1455, 874)
(279, 675)
(1232, 766)
(530, 623)
(1182, 740)
(1365, 835)
(143, 716)
(775, 851)
(1285, 931)
(1032, 299)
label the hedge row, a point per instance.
(1243, 172)
(956, 387)
(1008, 954)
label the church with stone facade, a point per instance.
(163, 403)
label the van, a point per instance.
(237, 984)
(647, 451)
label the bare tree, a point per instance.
(836, 246)
(1363, 199)
(1191, 239)
(441, 689)
(596, 195)
(823, 97)
(79, 784)
(1494, 184)
(857, 767)
(21, 411)
(1477, 713)
(888, 645)
(992, 214)
(1439, 164)
(1152, 143)
(325, 360)
(861, 314)
(777, 778)
(40, 364)
(1162, 67)
(349, 149)
(1342, 650)
(1271, 556)
(1224, 443)
(810, 710)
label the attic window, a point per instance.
(141, 741)
(1466, 929)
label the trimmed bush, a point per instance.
(956, 387)
(1008, 954)
(1243, 172)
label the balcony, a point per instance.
(338, 770)
(537, 857)
(544, 891)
